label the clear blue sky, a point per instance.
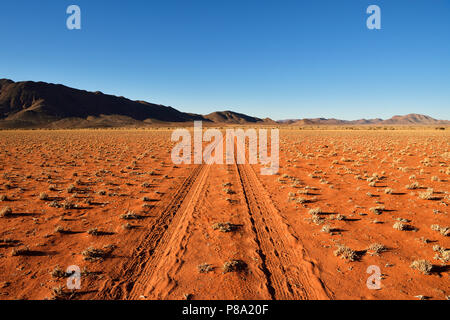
(278, 58)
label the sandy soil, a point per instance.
(72, 190)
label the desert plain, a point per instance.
(111, 202)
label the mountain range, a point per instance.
(409, 119)
(31, 104)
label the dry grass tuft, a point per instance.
(345, 253)
(5, 212)
(224, 226)
(43, 196)
(94, 232)
(59, 273)
(399, 226)
(58, 293)
(93, 254)
(445, 231)
(376, 248)
(204, 268)
(234, 266)
(315, 211)
(422, 265)
(20, 251)
(130, 215)
(427, 195)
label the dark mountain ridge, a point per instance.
(44, 102)
(39, 104)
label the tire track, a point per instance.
(289, 275)
(171, 248)
(150, 250)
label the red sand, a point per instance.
(285, 253)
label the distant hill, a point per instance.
(410, 119)
(231, 117)
(413, 119)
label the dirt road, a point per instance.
(283, 270)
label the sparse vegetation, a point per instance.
(94, 254)
(315, 211)
(127, 226)
(204, 268)
(94, 232)
(59, 273)
(5, 212)
(399, 226)
(224, 226)
(422, 265)
(22, 251)
(445, 231)
(376, 248)
(345, 253)
(234, 266)
(427, 195)
(43, 196)
(130, 215)
(60, 229)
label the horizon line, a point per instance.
(230, 110)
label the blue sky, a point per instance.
(279, 58)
